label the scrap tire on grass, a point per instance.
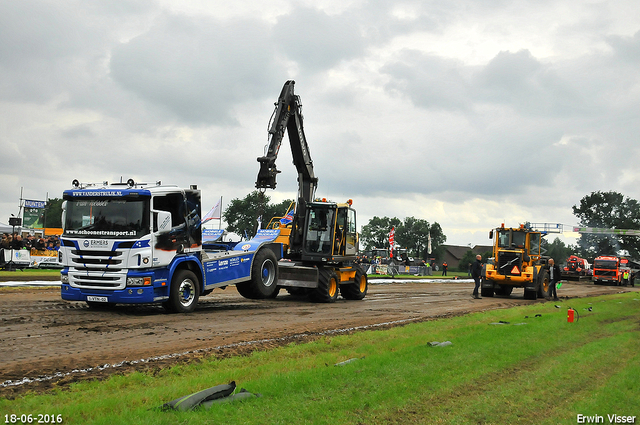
(327, 290)
(264, 277)
(356, 290)
(184, 292)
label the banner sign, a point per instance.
(33, 214)
(34, 204)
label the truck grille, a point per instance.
(507, 260)
(96, 269)
(606, 273)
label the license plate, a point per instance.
(98, 299)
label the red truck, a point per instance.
(576, 268)
(612, 270)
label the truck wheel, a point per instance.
(544, 286)
(184, 292)
(356, 290)
(264, 277)
(327, 290)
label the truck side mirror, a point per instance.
(63, 216)
(491, 234)
(163, 221)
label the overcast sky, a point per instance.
(465, 113)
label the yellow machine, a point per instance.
(518, 263)
(319, 238)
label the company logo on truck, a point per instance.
(95, 243)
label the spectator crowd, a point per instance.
(31, 242)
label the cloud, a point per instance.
(197, 70)
(317, 41)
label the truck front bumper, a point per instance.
(132, 295)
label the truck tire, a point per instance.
(544, 287)
(184, 292)
(327, 290)
(264, 277)
(356, 290)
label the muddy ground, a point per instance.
(46, 342)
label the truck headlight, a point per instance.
(139, 281)
(64, 278)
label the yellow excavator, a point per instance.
(319, 238)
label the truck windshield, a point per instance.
(605, 264)
(107, 218)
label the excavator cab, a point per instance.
(330, 232)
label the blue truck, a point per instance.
(143, 243)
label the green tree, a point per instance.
(242, 215)
(557, 250)
(469, 257)
(611, 210)
(375, 234)
(412, 233)
(53, 213)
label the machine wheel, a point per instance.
(486, 292)
(327, 290)
(184, 292)
(544, 286)
(356, 290)
(264, 277)
(530, 294)
(504, 290)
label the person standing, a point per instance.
(444, 268)
(554, 277)
(476, 271)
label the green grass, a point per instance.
(31, 273)
(545, 371)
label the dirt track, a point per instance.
(44, 336)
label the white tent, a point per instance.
(5, 228)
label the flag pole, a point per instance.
(220, 219)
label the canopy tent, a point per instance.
(5, 228)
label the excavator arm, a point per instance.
(287, 116)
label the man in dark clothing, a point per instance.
(554, 277)
(476, 271)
